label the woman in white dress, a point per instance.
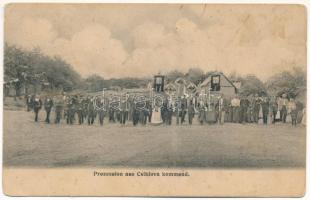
(156, 116)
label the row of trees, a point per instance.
(95, 83)
(22, 67)
(292, 82)
(26, 68)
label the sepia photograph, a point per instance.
(155, 86)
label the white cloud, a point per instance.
(93, 50)
(217, 38)
(148, 34)
(31, 33)
(90, 51)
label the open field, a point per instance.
(30, 144)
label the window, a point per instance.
(159, 80)
(215, 83)
(159, 83)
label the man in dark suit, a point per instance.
(202, 112)
(150, 110)
(48, 104)
(100, 109)
(183, 109)
(169, 113)
(79, 110)
(29, 102)
(91, 112)
(244, 104)
(274, 108)
(265, 109)
(71, 108)
(191, 112)
(123, 111)
(58, 109)
(37, 105)
(135, 114)
(257, 103)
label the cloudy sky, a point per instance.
(140, 40)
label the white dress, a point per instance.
(156, 116)
(260, 115)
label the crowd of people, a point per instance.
(141, 109)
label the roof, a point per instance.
(191, 84)
(170, 86)
(208, 79)
(181, 79)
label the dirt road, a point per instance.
(30, 144)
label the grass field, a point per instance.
(30, 144)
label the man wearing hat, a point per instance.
(37, 105)
(48, 104)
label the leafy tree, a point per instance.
(250, 84)
(94, 83)
(127, 82)
(292, 83)
(195, 75)
(173, 75)
(17, 70)
(23, 68)
(234, 76)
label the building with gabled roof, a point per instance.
(218, 84)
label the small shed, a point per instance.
(218, 84)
